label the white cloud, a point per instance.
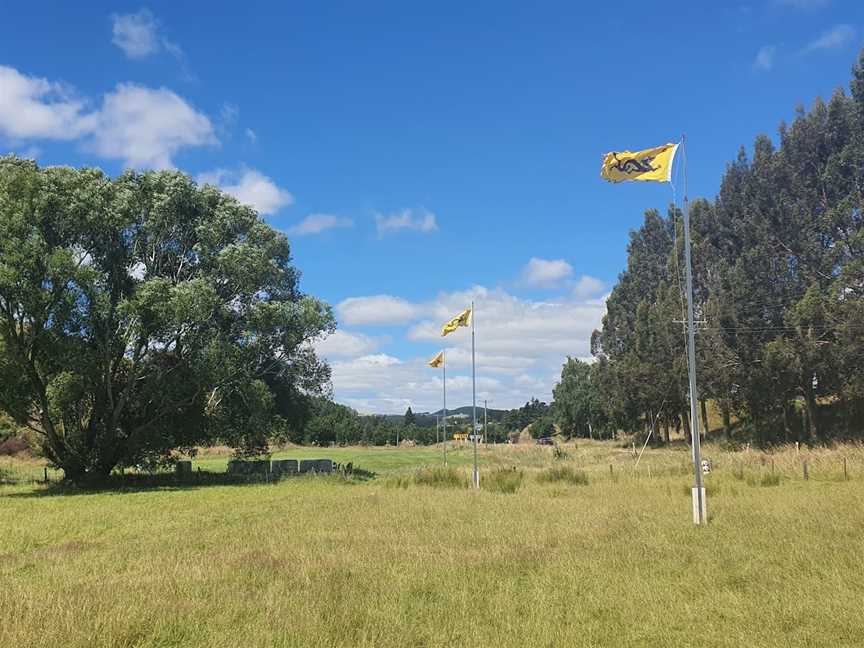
(545, 272)
(317, 223)
(764, 60)
(142, 126)
(251, 136)
(344, 344)
(35, 108)
(520, 347)
(145, 127)
(250, 187)
(588, 286)
(837, 36)
(31, 153)
(377, 309)
(419, 220)
(139, 36)
(136, 34)
(512, 326)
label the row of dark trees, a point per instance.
(328, 423)
(779, 290)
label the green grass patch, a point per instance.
(502, 480)
(434, 476)
(767, 479)
(563, 474)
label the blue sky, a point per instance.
(419, 157)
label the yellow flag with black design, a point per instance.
(651, 165)
(462, 319)
(437, 361)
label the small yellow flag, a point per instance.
(437, 361)
(653, 165)
(462, 319)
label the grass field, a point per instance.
(325, 561)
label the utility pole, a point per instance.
(699, 505)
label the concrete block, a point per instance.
(239, 467)
(316, 465)
(183, 468)
(284, 466)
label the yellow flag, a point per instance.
(462, 319)
(437, 361)
(653, 165)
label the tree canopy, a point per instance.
(779, 284)
(143, 314)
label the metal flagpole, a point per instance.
(474, 400)
(485, 424)
(699, 509)
(444, 429)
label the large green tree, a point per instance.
(577, 407)
(144, 314)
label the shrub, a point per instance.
(440, 477)
(503, 480)
(565, 474)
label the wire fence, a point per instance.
(839, 463)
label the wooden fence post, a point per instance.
(806, 474)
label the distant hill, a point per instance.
(425, 419)
(494, 414)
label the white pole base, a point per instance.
(475, 478)
(697, 518)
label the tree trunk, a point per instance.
(810, 398)
(727, 419)
(787, 428)
(704, 407)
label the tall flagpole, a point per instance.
(444, 372)
(699, 508)
(474, 400)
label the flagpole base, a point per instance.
(700, 513)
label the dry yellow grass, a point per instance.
(324, 562)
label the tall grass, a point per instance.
(312, 562)
(502, 480)
(565, 474)
(434, 476)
